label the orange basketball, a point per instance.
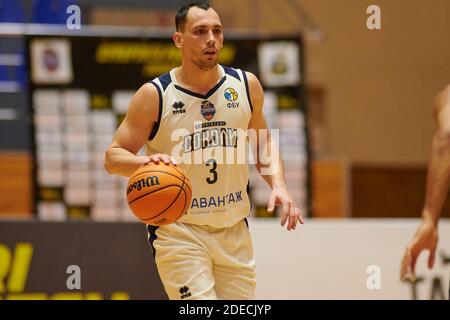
(159, 194)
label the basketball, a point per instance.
(159, 194)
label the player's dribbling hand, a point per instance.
(159, 157)
(426, 237)
(290, 211)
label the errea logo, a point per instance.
(178, 107)
(184, 292)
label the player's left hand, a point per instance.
(290, 211)
(425, 238)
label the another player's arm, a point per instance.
(438, 180)
(120, 157)
(275, 171)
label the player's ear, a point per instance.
(177, 39)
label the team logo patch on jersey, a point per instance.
(207, 110)
(230, 94)
(178, 107)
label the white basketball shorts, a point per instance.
(201, 262)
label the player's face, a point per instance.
(202, 38)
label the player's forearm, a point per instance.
(269, 163)
(273, 174)
(122, 162)
(437, 178)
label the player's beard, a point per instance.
(206, 65)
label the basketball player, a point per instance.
(438, 180)
(207, 253)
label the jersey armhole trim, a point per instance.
(157, 123)
(247, 89)
(232, 72)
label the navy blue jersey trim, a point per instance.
(231, 72)
(156, 125)
(152, 237)
(198, 95)
(248, 194)
(165, 80)
(247, 90)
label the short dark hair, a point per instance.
(181, 16)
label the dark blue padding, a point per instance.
(248, 194)
(247, 89)
(232, 72)
(156, 125)
(165, 80)
(152, 237)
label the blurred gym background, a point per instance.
(364, 101)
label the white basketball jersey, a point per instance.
(206, 135)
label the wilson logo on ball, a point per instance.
(159, 194)
(143, 183)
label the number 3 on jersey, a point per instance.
(212, 170)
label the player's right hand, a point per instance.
(426, 238)
(156, 158)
